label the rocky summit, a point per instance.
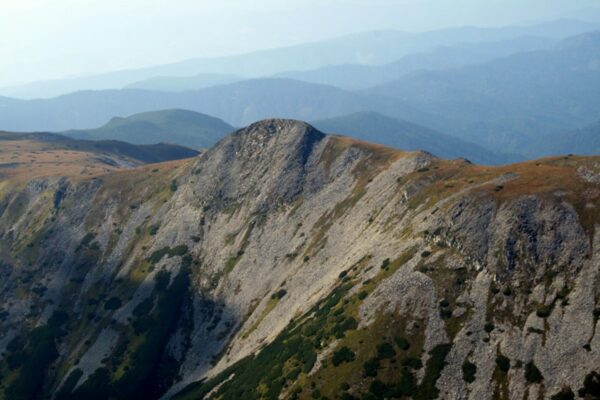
(288, 264)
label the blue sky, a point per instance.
(41, 39)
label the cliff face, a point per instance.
(284, 263)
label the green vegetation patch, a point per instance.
(153, 229)
(358, 366)
(564, 394)
(31, 355)
(449, 284)
(114, 303)
(342, 355)
(158, 255)
(140, 366)
(262, 376)
(469, 371)
(435, 364)
(500, 376)
(232, 262)
(288, 358)
(532, 373)
(591, 386)
(271, 304)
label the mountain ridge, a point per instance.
(514, 99)
(180, 84)
(356, 77)
(284, 262)
(369, 48)
(183, 127)
(485, 104)
(378, 128)
(26, 156)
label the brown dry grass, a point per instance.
(22, 160)
(557, 177)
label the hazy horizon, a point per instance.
(77, 38)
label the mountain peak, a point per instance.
(287, 130)
(269, 159)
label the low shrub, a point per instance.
(544, 311)
(162, 280)
(385, 263)
(153, 230)
(445, 313)
(342, 355)
(279, 294)
(178, 250)
(469, 371)
(564, 394)
(503, 363)
(402, 343)
(371, 366)
(114, 303)
(532, 373)
(412, 362)
(591, 386)
(385, 350)
(436, 362)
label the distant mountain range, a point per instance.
(184, 83)
(359, 76)
(584, 141)
(505, 105)
(511, 101)
(356, 76)
(186, 128)
(238, 104)
(195, 130)
(370, 48)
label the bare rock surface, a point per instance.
(210, 263)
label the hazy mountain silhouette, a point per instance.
(186, 128)
(355, 76)
(372, 48)
(510, 101)
(238, 104)
(183, 83)
(584, 141)
(507, 103)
